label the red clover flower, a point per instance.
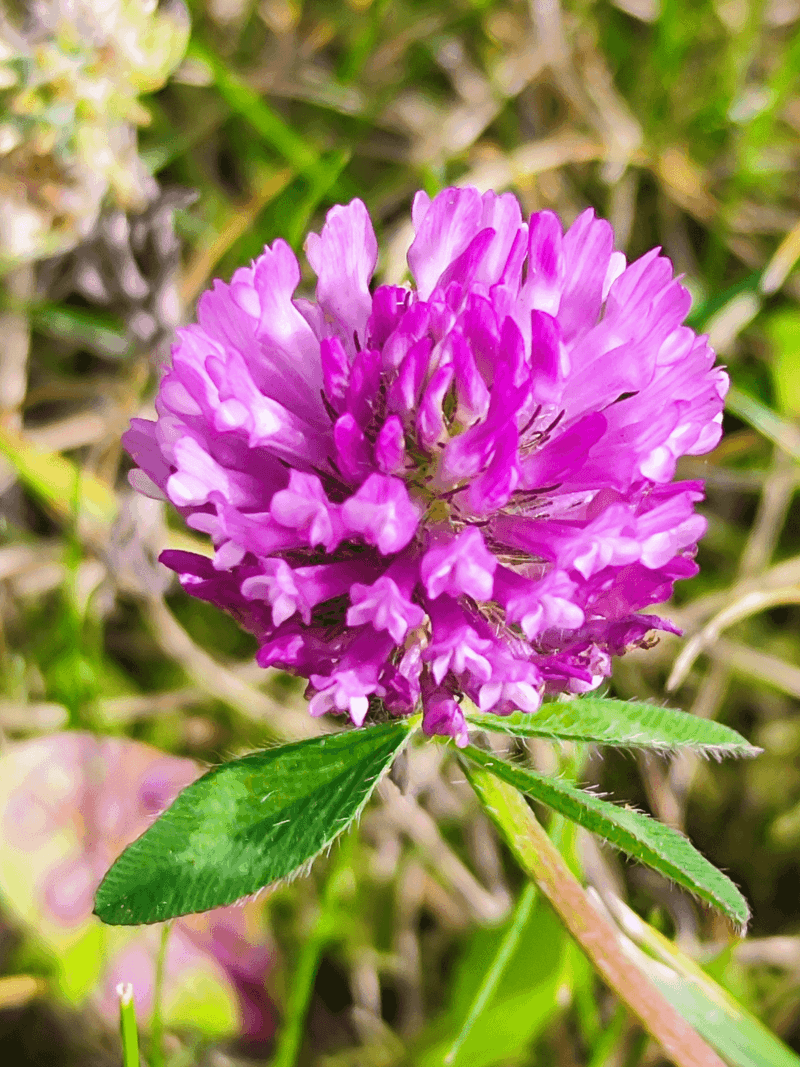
(457, 488)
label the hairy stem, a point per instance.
(544, 864)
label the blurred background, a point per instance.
(148, 147)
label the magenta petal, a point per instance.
(566, 453)
(503, 261)
(472, 391)
(404, 390)
(335, 371)
(465, 266)
(443, 232)
(353, 453)
(343, 257)
(430, 417)
(305, 507)
(278, 585)
(544, 284)
(587, 246)
(442, 715)
(356, 678)
(390, 447)
(141, 443)
(382, 513)
(283, 332)
(543, 605)
(464, 565)
(546, 358)
(385, 607)
(389, 303)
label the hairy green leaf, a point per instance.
(603, 721)
(642, 838)
(247, 824)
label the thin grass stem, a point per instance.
(157, 1017)
(497, 969)
(127, 1025)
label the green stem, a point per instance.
(339, 878)
(157, 1017)
(496, 971)
(544, 864)
(127, 1025)
(290, 1037)
(607, 1044)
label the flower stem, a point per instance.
(157, 1017)
(338, 885)
(291, 1036)
(544, 864)
(497, 969)
(127, 1025)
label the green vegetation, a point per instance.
(680, 122)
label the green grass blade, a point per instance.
(782, 432)
(523, 1001)
(320, 182)
(737, 1035)
(640, 837)
(247, 824)
(491, 979)
(100, 332)
(702, 313)
(58, 482)
(127, 1025)
(157, 1015)
(278, 134)
(327, 927)
(634, 724)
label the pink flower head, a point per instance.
(459, 487)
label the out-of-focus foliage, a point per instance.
(71, 73)
(68, 803)
(679, 121)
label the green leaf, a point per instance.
(709, 1007)
(783, 331)
(522, 1006)
(247, 824)
(639, 836)
(603, 721)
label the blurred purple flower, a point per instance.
(463, 487)
(69, 804)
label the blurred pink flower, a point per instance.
(69, 805)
